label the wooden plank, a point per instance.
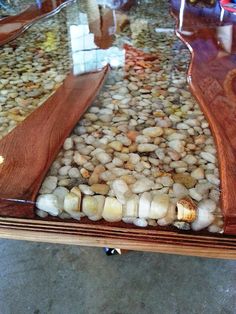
(29, 150)
(212, 252)
(211, 77)
(13, 26)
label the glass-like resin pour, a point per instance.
(143, 152)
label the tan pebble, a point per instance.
(72, 202)
(112, 210)
(76, 191)
(198, 173)
(153, 131)
(89, 205)
(129, 166)
(157, 140)
(109, 150)
(125, 150)
(100, 188)
(116, 145)
(130, 208)
(129, 179)
(100, 206)
(159, 113)
(184, 179)
(16, 118)
(80, 159)
(152, 222)
(186, 210)
(132, 148)
(168, 131)
(200, 139)
(218, 221)
(94, 178)
(142, 148)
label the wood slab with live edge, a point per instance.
(212, 76)
(28, 151)
(13, 26)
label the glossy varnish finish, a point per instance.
(29, 150)
(12, 26)
(86, 232)
(212, 76)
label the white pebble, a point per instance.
(68, 144)
(74, 173)
(190, 160)
(142, 185)
(85, 189)
(179, 190)
(107, 176)
(48, 203)
(207, 204)
(195, 195)
(60, 193)
(140, 222)
(50, 183)
(134, 158)
(63, 171)
(208, 157)
(203, 220)
(177, 145)
(170, 216)
(130, 208)
(103, 157)
(165, 181)
(144, 205)
(121, 190)
(213, 179)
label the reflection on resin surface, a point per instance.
(143, 153)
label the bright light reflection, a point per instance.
(1, 159)
(87, 57)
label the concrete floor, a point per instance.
(58, 279)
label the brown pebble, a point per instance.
(132, 135)
(133, 148)
(129, 166)
(100, 188)
(129, 179)
(94, 178)
(185, 179)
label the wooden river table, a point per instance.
(209, 34)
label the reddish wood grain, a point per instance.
(28, 151)
(13, 26)
(212, 79)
